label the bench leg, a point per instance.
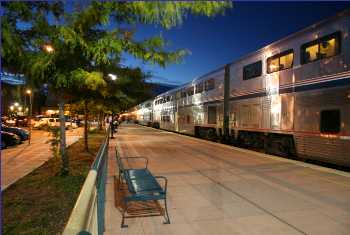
(166, 216)
(119, 181)
(123, 225)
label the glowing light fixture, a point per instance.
(12, 108)
(29, 92)
(48, 48)
(112, 76)
(16, 104)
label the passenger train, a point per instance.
(291, 97)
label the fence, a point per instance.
(88, 213)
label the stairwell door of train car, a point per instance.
(176, 121)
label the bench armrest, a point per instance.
(165, 182)
(146, 160)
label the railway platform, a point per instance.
(219, 189)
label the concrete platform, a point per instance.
(218, 189)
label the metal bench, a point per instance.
(142, 186)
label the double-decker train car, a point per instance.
(291, 97)
(144, 113)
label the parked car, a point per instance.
(9, 122)
(41, 122)
(23, 134)
(21, 121)
(8, 139)
(53, 122)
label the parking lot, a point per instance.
(18, 161)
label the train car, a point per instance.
(144, 113)
(291, 97)
(164, 110)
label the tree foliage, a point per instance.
(89, 39)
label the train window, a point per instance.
(178, 95)
(252, 70)
(190, 91)
(280, 61)
(199, 87)
(324, 47)
(211, 114)
(327, 48)
(273, 65)
(188, 119)
(330, 121)
(167, 98)
(311, 52)
(209, 84)
(286, 61)
(183, 94)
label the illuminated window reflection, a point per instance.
(280, 61)
(324, 47)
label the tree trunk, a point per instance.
(64, 157)
(100, 121)
(86, 146)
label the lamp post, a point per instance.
(113, 77)
(29, 92)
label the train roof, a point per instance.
(296, 34)
(339, 15)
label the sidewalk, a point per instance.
(218, 189)
(17, 162)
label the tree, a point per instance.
(71, 47)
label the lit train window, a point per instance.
(324, 47)
(252, 70)
(199, 87)
(280, 61)
(330, 121)
(311, 52)
(209, 84)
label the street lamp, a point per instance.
(29, 92)
(112, 76)
(49, 48)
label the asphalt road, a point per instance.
(20, 160)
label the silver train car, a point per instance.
(291, 97)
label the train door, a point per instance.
(212, 115)
(274, 98)
(176, 121)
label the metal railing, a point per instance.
(88, 215)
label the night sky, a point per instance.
(245, 28)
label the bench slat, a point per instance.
(148, 184)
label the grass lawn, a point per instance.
(41, 202)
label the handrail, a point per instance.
(87, 216)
